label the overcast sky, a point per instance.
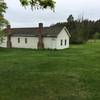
(21, 17)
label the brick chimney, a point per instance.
(40, 36)
(8, 30)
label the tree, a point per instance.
(3, 21)
(42, 4)
(3, 8)
(96, 36)
(70, 18)
(1, 36)
(71, 23)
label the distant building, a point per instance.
(53, 37)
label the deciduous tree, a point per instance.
(38, 4)
(3, 21)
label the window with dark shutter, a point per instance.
(65, 42)
(61, 42)
(25, 40)
(18, 40)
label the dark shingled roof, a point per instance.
(52, 31)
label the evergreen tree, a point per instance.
(70, 18)
(81, 30)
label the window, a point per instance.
(61, 42)
(18, 40)
(65, 42)
(26, 40)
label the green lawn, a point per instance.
(71, 74)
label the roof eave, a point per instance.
(67, 31)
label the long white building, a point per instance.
(53, 37)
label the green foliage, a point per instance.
(1, 36)
(81, 30)
(96, 36)
(70, 18)
(80, 33)
(3, 7)
(97, 26)
(3, 21)
(38, 4)
(70, 74)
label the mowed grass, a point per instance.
(71, 74)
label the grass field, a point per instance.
(71, 74)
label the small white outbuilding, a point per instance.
(53, 37)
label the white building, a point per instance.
(53, 37)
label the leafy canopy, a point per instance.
(3, 21)
(3, 8)
(39, 4)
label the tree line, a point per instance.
(81, 30)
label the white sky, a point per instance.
(18, 16)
